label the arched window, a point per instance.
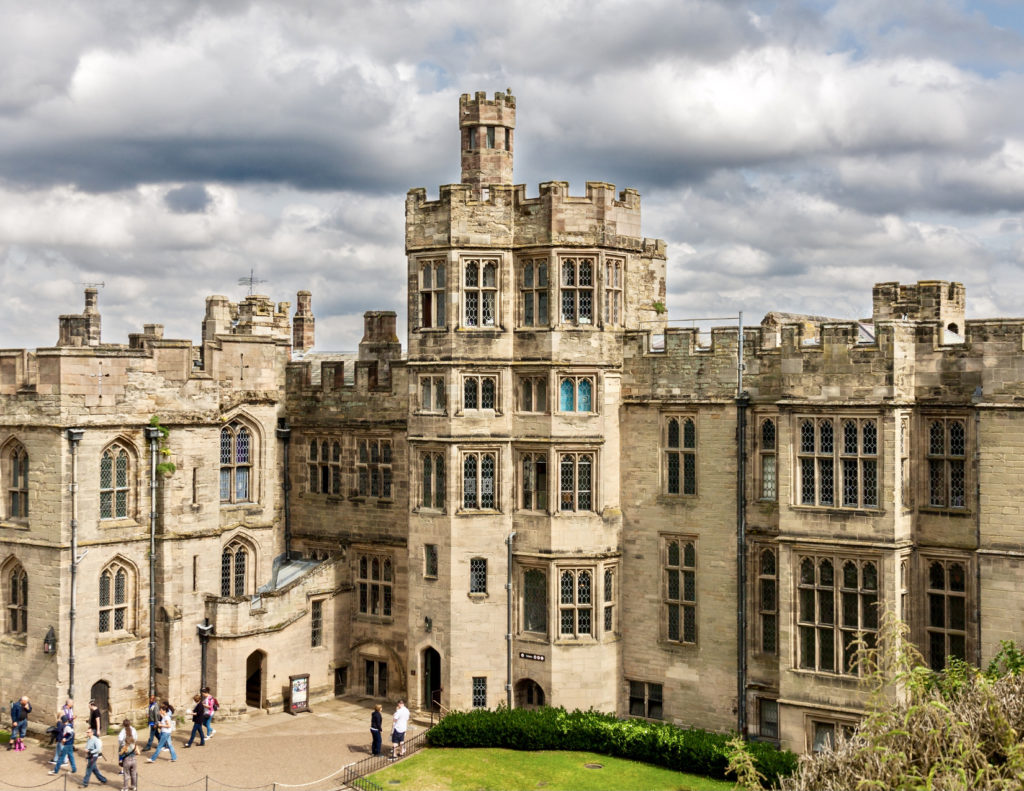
(116, 582)
(236, 455)
(15, 460)
(115, 477)
(234, 563)
(17, 599)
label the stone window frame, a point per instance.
(768, 718)
(432, 307)
(374, 467)
(577, 393)
(825, 459)
(116, 585)
(481, 296)
(239, 452)
(14, 467)
(117, 499)
(609, 587)
(815, 726)
(679, 594)
(766, 558)
(433, 394)
(534, 291)
(679, 438)
(533, 493)
(576, 603)
(479, 690)
(478, 576)
(374, 575)
(645, 699)
(534, 609)
(531, 388)
(238, 564)
(473, 498)
(767, 439)
(577, 471)
(479, 383)
(614, 277)
(433, 480)
(316, 623)
(943, 467)
(15, 593)
(430, 561)
(577, 300)
(324, 467)
(822, 615)
(947, 631)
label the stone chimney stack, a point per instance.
(303, 323)
(83, 329)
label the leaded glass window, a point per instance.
(680, 591)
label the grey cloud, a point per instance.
(190, 199)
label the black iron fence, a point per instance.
(355, 775)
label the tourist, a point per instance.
(19, 723)
(198, 721)
(399, 724)
(122, 736)
(166, 726)
(65, 745)
(211, 707)
(126, 755)
(376, 722)
(153, 718)
(93, 751)
(95, 718)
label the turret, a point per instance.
(927, 300)
(84, 329)
(303, 323)
(486, 132)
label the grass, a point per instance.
(443, 769)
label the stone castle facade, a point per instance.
(552, 496)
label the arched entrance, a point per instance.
(431, 680)
(254, 670)
(529, 694)
(100, 692)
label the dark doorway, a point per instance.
(529, 694)
(100, 692)
(254, 679)
(431, 679)
(340, 680)
(375, 678)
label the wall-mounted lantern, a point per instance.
(428, 623)
(50, 642)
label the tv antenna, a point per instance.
(251, 281)
(100, 284)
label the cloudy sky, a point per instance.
(791, 153)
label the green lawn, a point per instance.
(440, 769)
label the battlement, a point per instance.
(927, 300)
(501, 101)
(505, 217)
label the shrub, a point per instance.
(684, 750)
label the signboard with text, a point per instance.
(299, 698)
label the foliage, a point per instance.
(165, 467)
(742, 764)
(684, 750)
(659, 308)
(949, 730)
(477, 769)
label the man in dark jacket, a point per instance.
(19, 723)
(65, 745)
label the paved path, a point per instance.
(289, 753)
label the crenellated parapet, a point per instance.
(836, 362)
(505, 217)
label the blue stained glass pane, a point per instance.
(583, 400)
(566, 396)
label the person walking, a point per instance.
(153, 716)
(198, 722)
(127, 754)
(93, 751)
(166, 726)
(65, 745)
(122, 736)
(19, 723)
(399, 724)
(95, 718)
(211, 704)
(376, 723)
(67, 712)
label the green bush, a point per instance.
(684, 750)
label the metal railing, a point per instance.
(355, 775)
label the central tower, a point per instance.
(517, 311)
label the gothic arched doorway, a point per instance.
(529, 694)
(431, 680)
(100, 693)
(254, 671)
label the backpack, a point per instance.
(216, 704)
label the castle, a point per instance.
(552, 497)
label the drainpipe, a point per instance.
(284, 434)
(508, 607)
(153, 435)
(976, 399)
(74, 436)
(742, 402)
